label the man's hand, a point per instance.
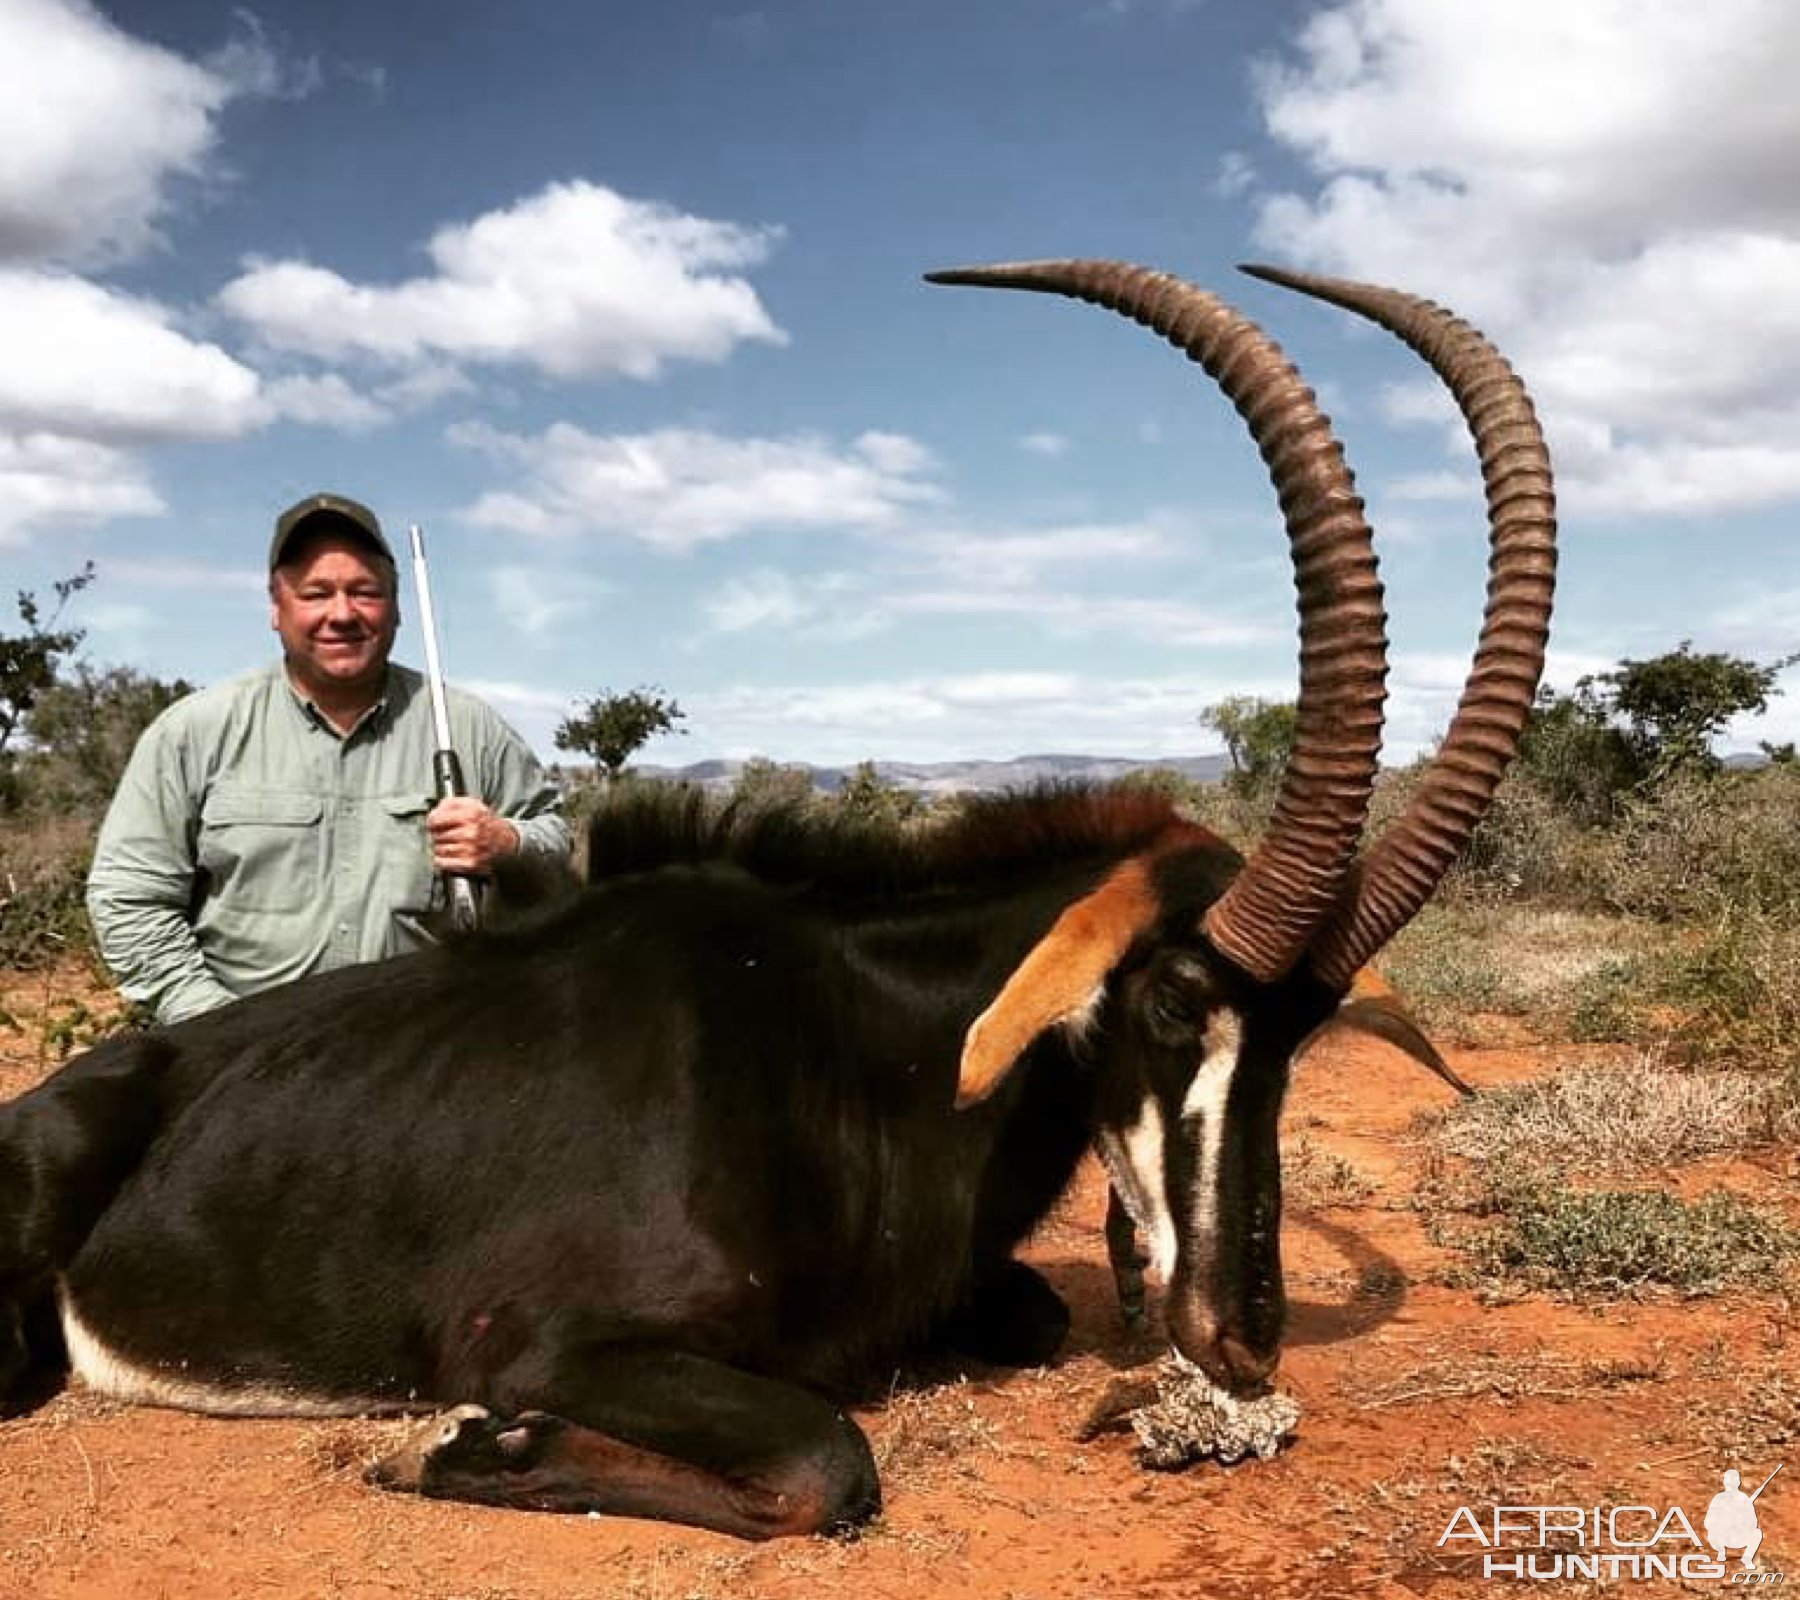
(467, 837)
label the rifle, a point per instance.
(446, 770)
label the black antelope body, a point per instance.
(646, 1186)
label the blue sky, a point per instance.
(623, 304)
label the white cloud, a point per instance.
(984, 559)
(758, 600)
(1606, 187)
(677, 488)
(988, 715)
(323, 400)
(1048, 445)
(89, 362)
(187, 576)
(1176, 623)
(576, 281)
(536, 602)
(94, 125)
(47, 481)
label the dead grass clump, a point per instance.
(43, 883)
(1315, 1179)
(1703, 848)
(1612, 1119)
(923, 1433)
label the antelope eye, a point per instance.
(1179, 995)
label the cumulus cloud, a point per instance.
(97, 128)
(90, 362)
(324, 400)
(46, 481)
(576, 281)
(677, 488)
(1607, 188)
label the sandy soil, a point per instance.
(1419, 1399)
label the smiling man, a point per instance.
(280, 824)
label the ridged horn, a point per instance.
(1265, 920)
(1398, 875)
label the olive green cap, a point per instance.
(346, 516)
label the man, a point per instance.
(1731, 1521)
(279, 824)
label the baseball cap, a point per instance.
(349, 516)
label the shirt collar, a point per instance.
(309, 709)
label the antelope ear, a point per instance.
(1062, 977)
(1373, 1008)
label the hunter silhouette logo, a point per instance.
(1731, 1519)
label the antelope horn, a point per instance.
(1398, 875)
(1264, 921)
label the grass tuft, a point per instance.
(1620, 1242)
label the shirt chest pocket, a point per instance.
(404, 853)
(260, 848)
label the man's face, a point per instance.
(333, 604)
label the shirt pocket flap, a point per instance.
(264, 807)
(406, 807)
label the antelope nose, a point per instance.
(1240, 1366)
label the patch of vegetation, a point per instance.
(1601, 1119)
(1623, 1242)
(43, 881)
(1314, 1178)
(1447, 963)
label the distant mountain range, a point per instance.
(961, 777)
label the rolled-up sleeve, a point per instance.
(141, 888)
(514, 782)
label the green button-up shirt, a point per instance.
(251, 843)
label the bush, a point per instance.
(43, 881)
(1704, 849)
(1623, 1241)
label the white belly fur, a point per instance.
(113, 1376)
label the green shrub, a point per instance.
(1623, 1241)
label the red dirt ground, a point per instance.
(1419, 1399)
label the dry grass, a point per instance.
(1594, 1119)
(1314, 1179)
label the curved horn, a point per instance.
(1265, 919)
(1398, 875)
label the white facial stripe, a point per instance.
(112, 1375)
(1205, 1103)
(1134, 1161)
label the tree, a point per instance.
(1259, 738)
(29, 661)
(611, 728)
(1570, 749)
(1630, 729)
(1676, 704)
(867, 795)
(82, 731)
(762, 782)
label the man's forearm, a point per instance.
(546, 834)
(152, 951)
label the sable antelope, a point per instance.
(647, 1185)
